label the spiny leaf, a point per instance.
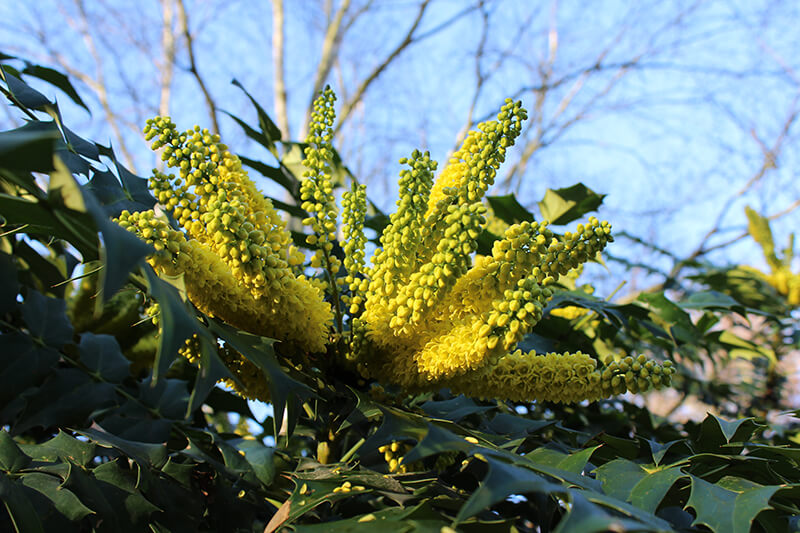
(144, 453)
(29, 148)
(11, 456)
(285, 392)
(101, 354)
(502, 481)
(509, 210)
(561, 206)
(177, 324)
(57, 79)
(19, 507)
(46, 319)
(64, 500)
(63, 446)
(728, 511)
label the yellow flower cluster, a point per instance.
(781, 276)
(354, 209)
(787, 283)
(393, 455)
(431, 318)
(564, 378)
(233, 252)
(316, 189)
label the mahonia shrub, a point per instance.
(429, 312)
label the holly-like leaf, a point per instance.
(144, 453)
(271, 132)
(46, 319)
(509, 210)
(120, 486)
(64, 500)
(64, 447)
(728, 511)
(561, 206)
(285, 392)
(101, 354)
(454, 409)
(586, 517)
(501, 481)
(644, 487)
(22, 92)
(12, 457)
(177, 324)
(19, 507)
(29, 148)
(716, 432)
(57, 79)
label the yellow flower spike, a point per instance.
(234, 255)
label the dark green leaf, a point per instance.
(561, 206)
(101, 354)
(46, 319)
(78, 397)
(585, 517)
(24, 93)
(509, 210)
(270, 130)
(144, 453)
(57, 79)
(29, 148)
(279, 175)
(454, 409)
(19, 507)
(727, 511)
(716, 432)
(11, 457)
(63, 499)
(177, 324)
(63, 446)
(211, 371)
(120, 487)
(258, 350)
(502, 481)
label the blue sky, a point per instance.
(669, 144)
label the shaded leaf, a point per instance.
(727, 511)
(63, 446)
(561, 206)
(30, 147)
(63, 499)
(502, 481)
(57, 79)
(11, 457)
(19, 507)
(46, 319)
(101, 354)
(509, 210)
(144, 453)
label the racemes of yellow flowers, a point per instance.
(427, 313)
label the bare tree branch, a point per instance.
(280, 98)
(168, 47)
(187, 35)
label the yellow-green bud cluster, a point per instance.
(393, 455)
(294, 313)
(354, 210)
(234, 253)
(475, 164)
(316, 189)
(218, 205)
(564, 378)
(433, 319)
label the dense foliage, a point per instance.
(106, 427)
